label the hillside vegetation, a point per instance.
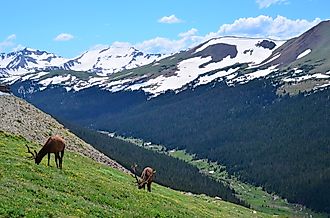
(86, 188)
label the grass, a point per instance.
(85, 188)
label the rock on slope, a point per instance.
(19, 117)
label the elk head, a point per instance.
(34, 155)
(138, 181)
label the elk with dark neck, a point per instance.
(55, 144)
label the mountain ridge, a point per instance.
(30, 60)
(301, 62)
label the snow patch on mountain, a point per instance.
(248, 51)
(55, 80)
(306, 77)
(257, 74)
(4, 93)
(117, 85)
(208, 78)
(304, 53)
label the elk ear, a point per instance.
(154, 171)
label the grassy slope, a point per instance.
(86, 188)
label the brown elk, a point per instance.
(55, 144)
(147, 177)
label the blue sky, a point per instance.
(70, 27)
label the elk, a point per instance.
(147, 177)
(55, 144)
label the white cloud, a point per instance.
(268, 3)
(262, 26)
(18, 47)
(165, 45)
(160, 45)
(8, 42)
(98, 47)
(170, 19)
(265, 26)
(121, 44)
(11, 37)
(189, 33)
(63, 37)
(114, 44)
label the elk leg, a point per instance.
(48, 158)
(149, 187)
(60, 162)
(61, 158)
(56, 157)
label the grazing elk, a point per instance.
(147, 177)
(55, 144)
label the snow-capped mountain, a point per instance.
(126, 68)
(33, 64)
(234, 60)
(28, 60)
(217, 58)
(110, 60)
(295, 65)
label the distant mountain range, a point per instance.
(36, 65)
(303, 61)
